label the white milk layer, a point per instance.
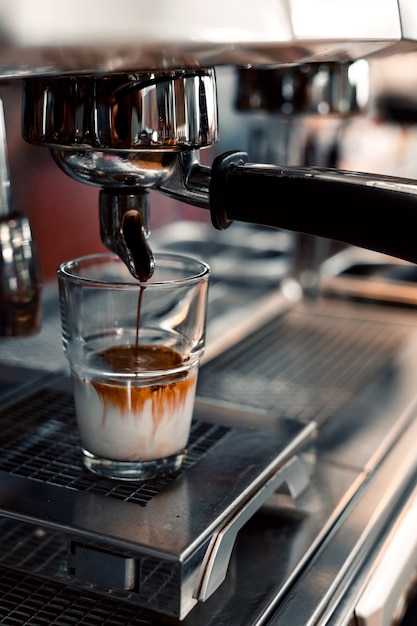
(130, 423)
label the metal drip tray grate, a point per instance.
(38, 554)
(38, 440)
(306, 364)
(143, 542)
(35, 601)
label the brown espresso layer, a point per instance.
(165, 397)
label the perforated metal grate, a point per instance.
(300, 366)
(31, 548)
(303, 365)
(27, 600)
(42, 553)
(39, 440)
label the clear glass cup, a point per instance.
(134, 351)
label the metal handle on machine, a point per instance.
(386, 591)
(370, 211)
(295, 475)
(5, 201)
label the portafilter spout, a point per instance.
(19, 263)
(124, 229)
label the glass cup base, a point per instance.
(133, 470)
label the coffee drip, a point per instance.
(139, 260)
(137, 357)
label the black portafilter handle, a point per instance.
(371, 211)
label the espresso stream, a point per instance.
(139, 358)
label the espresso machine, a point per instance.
(298, 495)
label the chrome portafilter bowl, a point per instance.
(125, 133)
(122, 130)
(130, 112)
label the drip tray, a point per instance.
(172, 550)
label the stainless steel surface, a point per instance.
(264, 524)
(19, 263)
(136, 34)
(161, 111)
(187, 527)
(320, 589)
(41, 352)
(359, 274)
(359, 468)
(320, 88)
(385, 597)
(279, 542)
(5, 195)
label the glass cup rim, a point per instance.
(64, 271)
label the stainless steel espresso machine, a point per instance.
(297, 503)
